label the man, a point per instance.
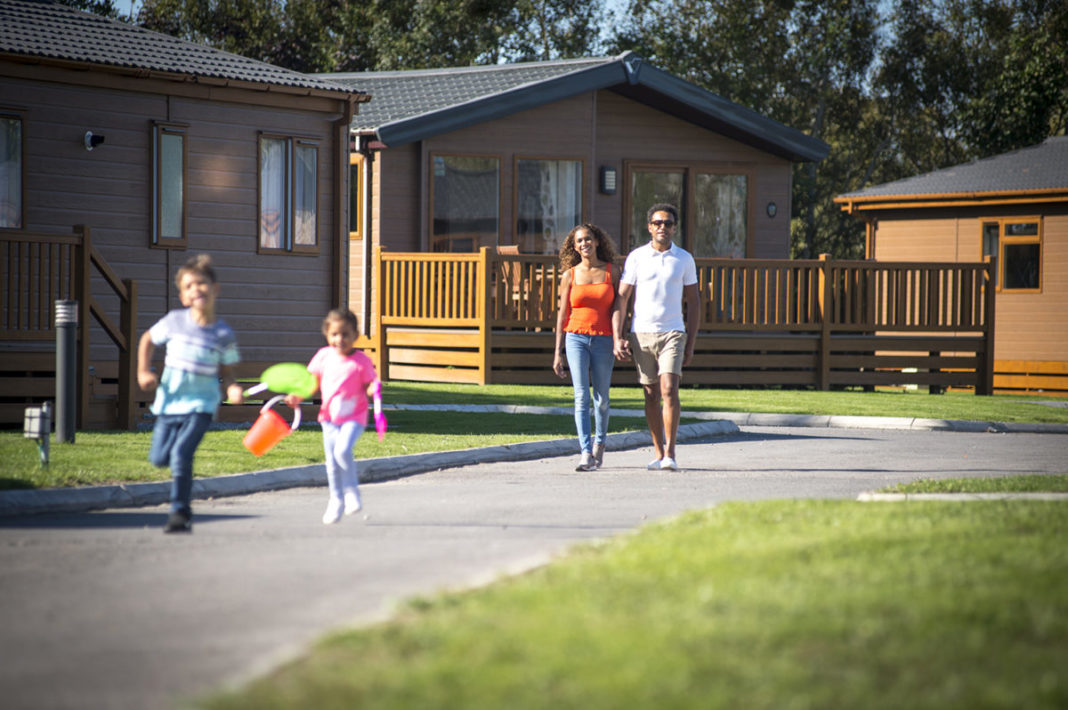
(661, 277)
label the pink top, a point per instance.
(343, 384)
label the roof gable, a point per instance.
(46, 31)
(413, 105)
(1036, 170)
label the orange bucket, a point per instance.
(269, 428)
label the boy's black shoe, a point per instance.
(179, 522)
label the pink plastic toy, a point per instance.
(380, 418)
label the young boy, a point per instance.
(201, 349)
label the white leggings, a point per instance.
(338, 442)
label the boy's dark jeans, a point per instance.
(175, 438)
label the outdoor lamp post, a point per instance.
(66, 369)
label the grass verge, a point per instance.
(1000, 484)
(952, 405)
(779, 604)
(98, 458)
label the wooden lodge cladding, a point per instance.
(596, 129)
(514, 156)
(1012, 207)
(195, 150)
(221, 201)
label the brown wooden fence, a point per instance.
(488, 317)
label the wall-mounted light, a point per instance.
(772, 209)
(608, 180)
(92, 141)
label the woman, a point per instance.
(584, 331)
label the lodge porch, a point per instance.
(488, 317)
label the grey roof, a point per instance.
(411, 105)
(1038, 168)
(52, 32)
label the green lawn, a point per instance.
(120, 457)
(1000, 484)
(953, 405)
(117, 457)
(779, 604)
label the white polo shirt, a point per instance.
(658, 278)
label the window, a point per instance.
(355, 196)
(168, 186)
(289, 194)
(649, 186)
(466, 199)
(1017, 244)
(465, 202)
(548, 203)
(713, 207)
(719, 210)
(10, 172)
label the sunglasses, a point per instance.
(662, 223)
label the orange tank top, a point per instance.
(591, 306)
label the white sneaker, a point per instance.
(333, 511)
(586, 463)
(654, 465)
(668, 464)
(352, 503)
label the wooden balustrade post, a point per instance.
(128, 357)
(378, 293)
(482, 289)
(83, 258)
(985, 379)
(826, 307)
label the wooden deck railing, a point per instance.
(39, 269)
(502, 296)
(867, 296)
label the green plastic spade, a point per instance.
(287, 378)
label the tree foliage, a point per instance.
(800, 62)
(925, 86)
(361, 35)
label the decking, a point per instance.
(488, 317)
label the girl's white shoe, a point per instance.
(352, 503)
(333, 511)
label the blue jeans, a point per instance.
(341, 474)
(590, 360)
(175, 438)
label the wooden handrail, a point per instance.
(821, 300)
(40, 269)
(736, 294)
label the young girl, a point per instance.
(346, 378)
(201, 349)
(584, 328)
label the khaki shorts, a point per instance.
(656, 354)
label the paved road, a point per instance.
(100, 610)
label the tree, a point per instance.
(359, 35)
(106, 8)
(1024, 97)
(799, 62)
(945, 83)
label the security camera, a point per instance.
(92, 141)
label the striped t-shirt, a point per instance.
(190, 381)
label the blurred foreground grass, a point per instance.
(767, 605)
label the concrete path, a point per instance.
(100, 610)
